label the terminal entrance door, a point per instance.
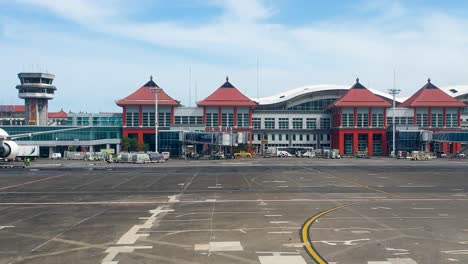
(348, 142)
(362, 142)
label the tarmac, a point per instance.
(263, 211)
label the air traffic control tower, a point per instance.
(36, 89)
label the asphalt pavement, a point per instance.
(264, 211)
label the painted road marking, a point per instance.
(280, 232)
(423, 208)
(273, 215)
(281, 260)
(30, 182)
(279, 222)
(131, 236)
(401, 261)
(305, 237)
(3, 227)
(219, 246)
(112, 252)
(381, 207)
(126, 202)
(457, 252)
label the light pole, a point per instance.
(155, 89)
(393, 92)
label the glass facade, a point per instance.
(347, 120)
(436, 120)
(283, 123)
(257, 123)
(377, 120)
(88, 133)
(269, 123)
(311, 123)
(297, 123)
(212, 119)
(315, 105)
(325, 123)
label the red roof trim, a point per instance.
(431, 95)
(359, 96)
(227, 95)
(145, 96)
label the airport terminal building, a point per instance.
(348, 118)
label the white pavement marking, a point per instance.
(280, 232)
(279, 222)
(113, 251)
(344, 242)
(273, 215)
(457, 252)
(452, 259)
(401, 261)
(396, 249)
(380, 207)
(282, 186)
(281, 260)
(360, 231)
(416, 186)
(421, 208)
(277, 253)
(3, 227)
(131, 236)
(219, 246)
(173, 198)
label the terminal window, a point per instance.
(283, 123)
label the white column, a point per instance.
(117, 149)
(107, 146)
(91, 148)
(51, 150)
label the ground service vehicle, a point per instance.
(242, 154)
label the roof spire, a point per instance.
(227, 78)
(429, 80)
(151, 77)
(357, 80)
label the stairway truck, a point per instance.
(28, 151)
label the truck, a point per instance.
(28, 151)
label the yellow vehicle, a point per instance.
(242, 154)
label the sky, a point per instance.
(101, 51)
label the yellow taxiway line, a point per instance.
(306, 238)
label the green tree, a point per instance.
(130, 144)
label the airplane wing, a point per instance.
(16, 136)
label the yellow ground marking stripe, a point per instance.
(305, 234)
(367, 187)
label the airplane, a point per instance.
(9, 148)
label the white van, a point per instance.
(56, 156)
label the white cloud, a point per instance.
(382, 35)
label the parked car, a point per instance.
(283, 154)
(242, 154)
(308, 154)
(217, 155)
(441, 154)
(402, 154)
(460, 155)
(56, 156)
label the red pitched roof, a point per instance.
(60, 114)
(359, 96)
(145, 96)
(12, 108)
(227, 95)
(431, 95)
